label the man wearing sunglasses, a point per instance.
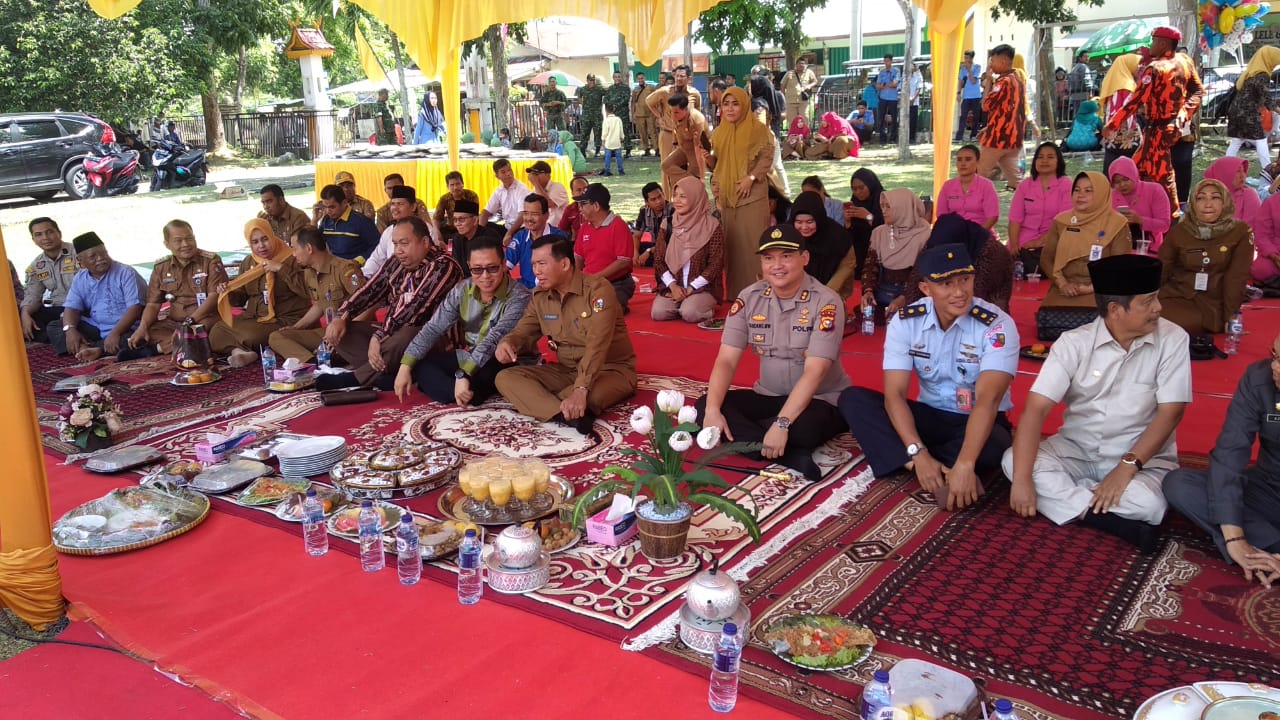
(484, 307)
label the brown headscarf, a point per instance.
(1080, 230)
(1264, 61)
(1196, 227)
(279, 254)
(690, 231)
(736, 146)
(898, 243)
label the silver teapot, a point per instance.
(713, 595)
(517, 547)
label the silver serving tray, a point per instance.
(124, 459)
(228, 476)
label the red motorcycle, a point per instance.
(111, 170)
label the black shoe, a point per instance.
(621, 172)
(585, 424)
(628, 153)
(1145, 536)
(336, 382)
(606, 173)
(801, 460)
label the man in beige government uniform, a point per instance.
(330, 280)
(665, 117)
(796, 88)
(284, 219)
(580, 314)
(186, 280)
(642, 116)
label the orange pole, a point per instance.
(29, 581)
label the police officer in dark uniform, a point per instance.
(965, 352)
(1238, 505)
(794, 324)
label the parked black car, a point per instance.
(42, 153)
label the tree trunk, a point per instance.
(624, 62)
(1048, 93)
(242, 68)
(688, 48)
(407, 105)
(501, 88)
(904, 84)
(214, 138)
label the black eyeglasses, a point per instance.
(486, 269)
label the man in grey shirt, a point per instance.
(485, 307)
(1237, 505)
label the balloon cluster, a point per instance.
(1229, 24)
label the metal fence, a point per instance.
(305, 133)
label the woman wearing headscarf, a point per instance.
(1090, 230)
(862, 213)
(1253, 98)
(1085, 129)
(1232, 172)
(689, 265)
(569, 149)
(1206, 259)
(797, 140)
(1117, 85)
(893, 251)
(827, 243)
(992, 263)
(741, 156)
(835, 138)
(1141, 202)
(779, 206)
(269, 288)
(430, 127)
(1036, 203)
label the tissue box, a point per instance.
(612, 533)
(284, 376)
(206, 454)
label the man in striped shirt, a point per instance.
(411, 288)
(1005, 107)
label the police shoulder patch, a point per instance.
(736, 307)
(910, 311)
(984, 316)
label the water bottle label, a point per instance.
(876, 711)
(469, 560)
(726, 661)
(401, 545)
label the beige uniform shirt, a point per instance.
(639, 109)
(783, 332)
(285, 226)
(1110, 394)
(185, 287)
(657, 104)
(52, 275)
(333, 282)
(792, 86)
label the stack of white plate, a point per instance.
(311, 456)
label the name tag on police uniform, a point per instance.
(1095, 252)
(1202, 281)
(1273, 417)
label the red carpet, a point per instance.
(237, 608)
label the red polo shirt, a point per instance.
(600, 246)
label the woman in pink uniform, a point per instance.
(1035, 204)
(969, 195)
(1141, 202)
(1232, 172)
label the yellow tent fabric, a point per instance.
(112, 9)
(946, 40)
(368, 61)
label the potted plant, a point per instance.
(671, 492)
(89, 417)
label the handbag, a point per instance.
(1053, 321)
(1202, 348)
(191, 346)
(352, 396)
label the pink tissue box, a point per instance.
(611, 533)
(206, 455)
(282, 375)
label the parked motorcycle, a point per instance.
(111, 170)
(177, 166)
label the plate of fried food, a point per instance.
(271, 490)
(195, 377)
(819, 642)
(346, 522)
(331, 500)
(558, 536)
(1035, 351)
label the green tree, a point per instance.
(731, 25)
(492, 45)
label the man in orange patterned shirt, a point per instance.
(1169, 93)
(1005, 107)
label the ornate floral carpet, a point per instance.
(1065, 621)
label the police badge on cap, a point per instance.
(782, 237)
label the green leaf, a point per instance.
(729, 509)
(723, 449)
(586, 499)
(704, 477)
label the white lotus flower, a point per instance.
(687, 414)
(680, 441)
(87, 390)
(709, 437)
(642, 420)
(670, 401)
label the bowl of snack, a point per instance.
(290, 509)
(195, 377)
(436, 538)
(819, 642)
(1035, 351)
(558, 536)
(187, 470)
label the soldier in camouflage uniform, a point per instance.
(618, 97)
(592, 97)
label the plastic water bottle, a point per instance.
(268, 366)
(1019, 271)
(1004, 710)
(469, 586)
(314, 535)
(723, 694)
(1235, 329)
(371, 557)
(877, 698)
(323, 354)
(408, 559)
(868, 320)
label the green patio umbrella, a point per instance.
(1119, 38)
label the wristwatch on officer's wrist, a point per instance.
(914, 449)
(1131, 459)
(783, 422)
(459, 374)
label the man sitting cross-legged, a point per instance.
(329, 280)
(186, 279)
(102, 307)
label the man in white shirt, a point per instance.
(1125, 379)
(507, 201)
(540, 183)
(915, 88)
(403, 202)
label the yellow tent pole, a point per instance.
(29, 581)
(452, 101)
(944, 50)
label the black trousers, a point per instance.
(967, 108)
(750, 415)
(942, 432)
(42, 317)
(888, 119)
(433, 375)
(1180, 156)
(914, 126)
(58, 339)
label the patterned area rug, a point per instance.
(1067, 622)
(151, 405)
(612, 592)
